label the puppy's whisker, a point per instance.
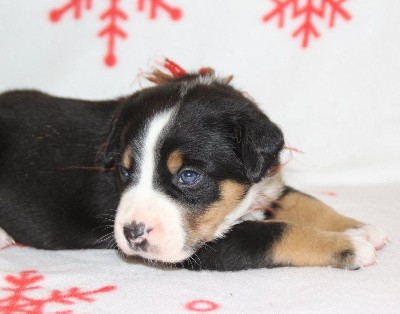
(198, 262)
(191, 259)
(104, 238)
(111, 214)
(103, 227)
(108, 219)
(209, 247)
(112, 244)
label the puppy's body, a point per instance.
(46, 199)
(173, 172)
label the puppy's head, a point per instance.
(192, 156)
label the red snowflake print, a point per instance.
(174, 13)
(201, 306)
(307, 11)
(18, 300)
(113, 16)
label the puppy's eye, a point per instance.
(124, 172)
(188, 177)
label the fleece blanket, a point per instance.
(325, 70)
(99, 281)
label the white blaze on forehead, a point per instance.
(144, 204)
(148, 157)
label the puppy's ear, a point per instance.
(260, 141)
(108, 150)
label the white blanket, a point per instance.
(140, 288)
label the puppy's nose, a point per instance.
(134, 230)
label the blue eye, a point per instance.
(124, 171)
(188, 177)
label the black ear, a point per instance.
(109, 148)
(261, 142)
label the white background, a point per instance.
(338, 100)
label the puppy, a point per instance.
(181, 173)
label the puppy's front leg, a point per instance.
(257, 244)
(5, 239)
(299, 208)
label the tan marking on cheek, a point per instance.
(203, 228)
(127, 158)
(304, 246)
(175, 161)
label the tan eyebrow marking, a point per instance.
(127, 158)
(175, 161)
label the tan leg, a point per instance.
(306, 246)
(299, 208)
(270, 243)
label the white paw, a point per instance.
(365, 254)
(372, 234)
(5, 239)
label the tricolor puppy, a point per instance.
(182, 172)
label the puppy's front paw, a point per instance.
(364, 253)
(5, 239)
(357, 253)
(376, 236)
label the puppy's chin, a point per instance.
(156, 254)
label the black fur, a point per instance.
(247, 246)
(46, 201)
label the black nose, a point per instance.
(134, 230)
